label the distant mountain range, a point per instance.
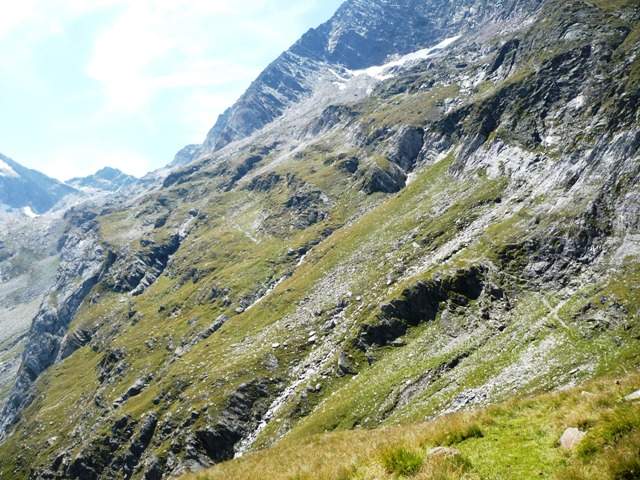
(23, 188)
(35, 193)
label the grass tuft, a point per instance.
(445, 468)
(612, 428)
(402, 461)
(454, 429)
(624, 462)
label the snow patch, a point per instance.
(29, 213)
(338, 76)
(381, 72)
(7, 171)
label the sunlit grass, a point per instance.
(518, 439)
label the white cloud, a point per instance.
(18, 14)
(157, 45)
(48, 17)
(81, 161)
(26, 24)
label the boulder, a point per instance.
(571, 438)
(443, 452)
(344, 364)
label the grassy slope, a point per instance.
(518, 439)
(204, 376)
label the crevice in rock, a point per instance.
(139, 273)
(245, 407)
(415, 388)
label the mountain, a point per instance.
(442, 223)
(361, 34)
(107, 179)
(22, 188)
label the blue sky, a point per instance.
(127, 83)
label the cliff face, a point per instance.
(82, 260)
(31, 238)
(28, 263)
(448, 230)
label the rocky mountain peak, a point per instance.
(361, 34)
(107, 179)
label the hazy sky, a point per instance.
(127, 83)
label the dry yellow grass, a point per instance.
(515, 440)
(355, 454)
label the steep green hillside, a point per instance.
(520, 439)
(466, 233)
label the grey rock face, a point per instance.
(420, 304)
(134, 390)
(345, 366)
(217, 442)
(134, 437)
(83, 260)
(136, 274)
(405, 146)
(28, 263)
(185, 156)
(378, 179)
